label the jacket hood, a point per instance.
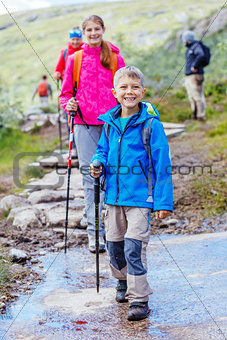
(114, 48)
(147, 110)
(71, 49)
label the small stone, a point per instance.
(60, 245)
(172, 221)
(42, 252)
(46, 234)
(2, 304)
(33, 261)
(3, 297)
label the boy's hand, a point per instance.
(72, 105)
(162, 214)
(95, 172)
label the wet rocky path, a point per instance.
(188, 275)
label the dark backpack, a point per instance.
(207, 55)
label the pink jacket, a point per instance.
(94, 93)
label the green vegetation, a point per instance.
(147, 29)
(13, 142)
(5, 275)
(212, 193)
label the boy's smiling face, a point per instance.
(129, 93)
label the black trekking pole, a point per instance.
(59, 116)
(96, 165)
(72, 115)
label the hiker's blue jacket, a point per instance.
(126, 161)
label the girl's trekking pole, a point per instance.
(72, 115)
(59, 116)
(97, 164)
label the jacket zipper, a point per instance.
(119, 159)
(119, 154)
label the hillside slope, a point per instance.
(30, 45)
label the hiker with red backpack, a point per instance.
(44, 90)
(197, 57)
(92, 69)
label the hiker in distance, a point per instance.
(94, 68)
(132, 142)
(44, 90)
(194, 72)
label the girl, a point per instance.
(94, 97)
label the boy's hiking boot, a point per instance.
(121, 291)
(138, 311)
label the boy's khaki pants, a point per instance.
(194, 87)
(127, 235)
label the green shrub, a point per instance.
(34, 172)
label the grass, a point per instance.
(13, 143)
(5, 276)
(146, 29)
(212, 193)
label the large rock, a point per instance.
(34, 110)
(55, 215)
(12, 201)
(46, 196)
(18, 255)
(25, 217)
(56, 179)
(50, 181)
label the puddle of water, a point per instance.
(82, 302)
(70, 296)
(61, 270)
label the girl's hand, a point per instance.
(94, 172)
(57, 75)
(161, 214)
(72, 105)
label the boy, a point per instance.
(129, 201)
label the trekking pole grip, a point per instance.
(96, 165)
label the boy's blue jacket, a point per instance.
(127, 164)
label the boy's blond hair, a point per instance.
(131, 72)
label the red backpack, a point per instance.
(42, 89)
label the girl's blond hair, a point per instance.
(105, 56)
